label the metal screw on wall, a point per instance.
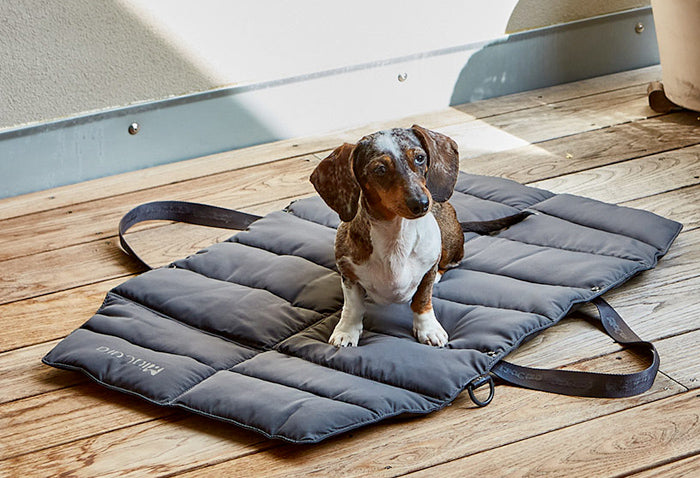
(639, 27)
(402, 77)
(134, 128)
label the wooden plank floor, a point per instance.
(597, 138)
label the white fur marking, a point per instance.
(347, 331)
(403, 251)
(428, 330)
(386, 141)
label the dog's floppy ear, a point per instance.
(335, 182)
(443, 162)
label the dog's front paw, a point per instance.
(345, 338)
(428, 330)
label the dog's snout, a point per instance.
(418, 204)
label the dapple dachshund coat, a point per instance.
(398, 232)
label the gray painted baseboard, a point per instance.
(86, 147)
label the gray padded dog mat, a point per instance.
(239, 330)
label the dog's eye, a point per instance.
(419, 159)
(379, 169)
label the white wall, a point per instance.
(62, 59)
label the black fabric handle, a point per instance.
(589, 384)
(494, 225)
(180, 211)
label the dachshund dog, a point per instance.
(398, 233)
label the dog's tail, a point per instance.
(494, 225)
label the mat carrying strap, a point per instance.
(180, 211)
(566, 382)
(589, 384)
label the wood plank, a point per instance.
(154, 448)
(686, 468)
(570, 154)
(678, 205)
(630, 180)
(504, 132)
(497, 153)
(655, 313)
(48, 317)
(62, 270)
(516, 130)
(99, 260)
(84, 264)
(40, 422)
(85, 222)
(681, 361)
(176, 445)
(563, 92)
(22, 375)
(615, 445)
(675, 266)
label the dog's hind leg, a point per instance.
(452, 239)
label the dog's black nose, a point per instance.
(418, 205)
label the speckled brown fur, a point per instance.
(452, 236)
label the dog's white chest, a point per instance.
(401, 255)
